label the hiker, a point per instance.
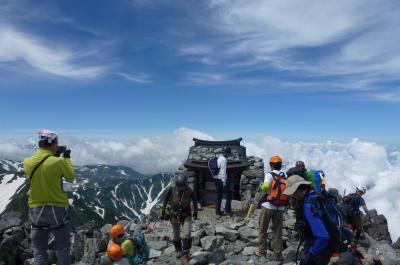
(179, 199)
(115, 254)
(272, 210)
(353, 202)
(47, 201)
(316, 177)
(133, 245)
(222, 183)
(314, 231)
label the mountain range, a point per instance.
(100, 194)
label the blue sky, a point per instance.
(301, 71)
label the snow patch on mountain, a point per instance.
(99, 211)
(9, 184)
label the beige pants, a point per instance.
(266, 216)
(186, 229)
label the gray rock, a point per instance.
(196, 235)
(228, 234)
(249, 251)
(290, 253)
(210, 243)
(217, 256)
(199, 258)
(158, 245)
(397, 244)
(209, 230)
(234, 248)
(246, 233)
(154, 253)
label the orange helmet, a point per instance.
(115, 252)
(275, 159)
(116, 230)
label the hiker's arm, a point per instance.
(318, 229)
(67, 169)
(364, 206)
(167, 198)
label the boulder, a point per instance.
(210, 243)
(216, 256)
(158, 245)
(249, 251)
(196, 235)
(154, 254)
(199, 258)
(397, 244)
(246, 233)
(228, 234)
(235, 248)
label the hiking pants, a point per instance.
(40, 238)
(266, 216)
(45, 220)
(185, 229)
(357, 223)
(219, 187)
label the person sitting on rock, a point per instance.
(133, 246)
(314, 232)
(179, 197)
(353, 202)
(115, 254)
(272, 210)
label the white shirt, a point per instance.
(222, 168)
(269, 178)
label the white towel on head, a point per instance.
(43, 133)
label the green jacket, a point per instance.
(46, 186)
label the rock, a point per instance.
(196, 235)
(228, 234)
(90, 247)
(397, 244)
(199, 258)
(217, 256)
(234, 248)
(154, 253)
(290, 252)
(158, 245)
(169, 251)
(209, 230)
(235, 226)
(246, 233)
(249, 251)
(210, 243)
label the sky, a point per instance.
(301, 71)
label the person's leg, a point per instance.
(40, 240)
(186, 235)
(228, 202)
(219, 191)
(277, 223)
(176, 228)
(262, 235)
(63, 244)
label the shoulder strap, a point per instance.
(37, 166)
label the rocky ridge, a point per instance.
(226, 240)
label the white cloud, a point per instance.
(136, 78)
(17, 46)
(345, 164)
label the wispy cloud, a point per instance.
(140, 78)
(17, 46)
(347, 41)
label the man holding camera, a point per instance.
(48, 202)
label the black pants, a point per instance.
(219, 186)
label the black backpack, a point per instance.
(213, 166)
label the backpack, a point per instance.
(276, 188)
(213, 166)
(350, 204)
(297, 171)
(317, 180)
(142, 250)
(335, 223)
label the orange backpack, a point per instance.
(276, 188)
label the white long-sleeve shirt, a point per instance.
(222, 162)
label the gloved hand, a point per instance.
(307, 260)
(195, 215)
(67, 153)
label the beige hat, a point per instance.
(293, 182)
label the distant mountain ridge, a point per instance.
(101, 193)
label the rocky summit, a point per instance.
(224, 240)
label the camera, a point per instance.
(61, 149)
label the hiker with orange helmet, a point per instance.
(133, 246)
(272, 209)
(116, 255)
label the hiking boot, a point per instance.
(179, 254)
(185, 259)
(220, 213)
(178, 248)
(259, 253)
